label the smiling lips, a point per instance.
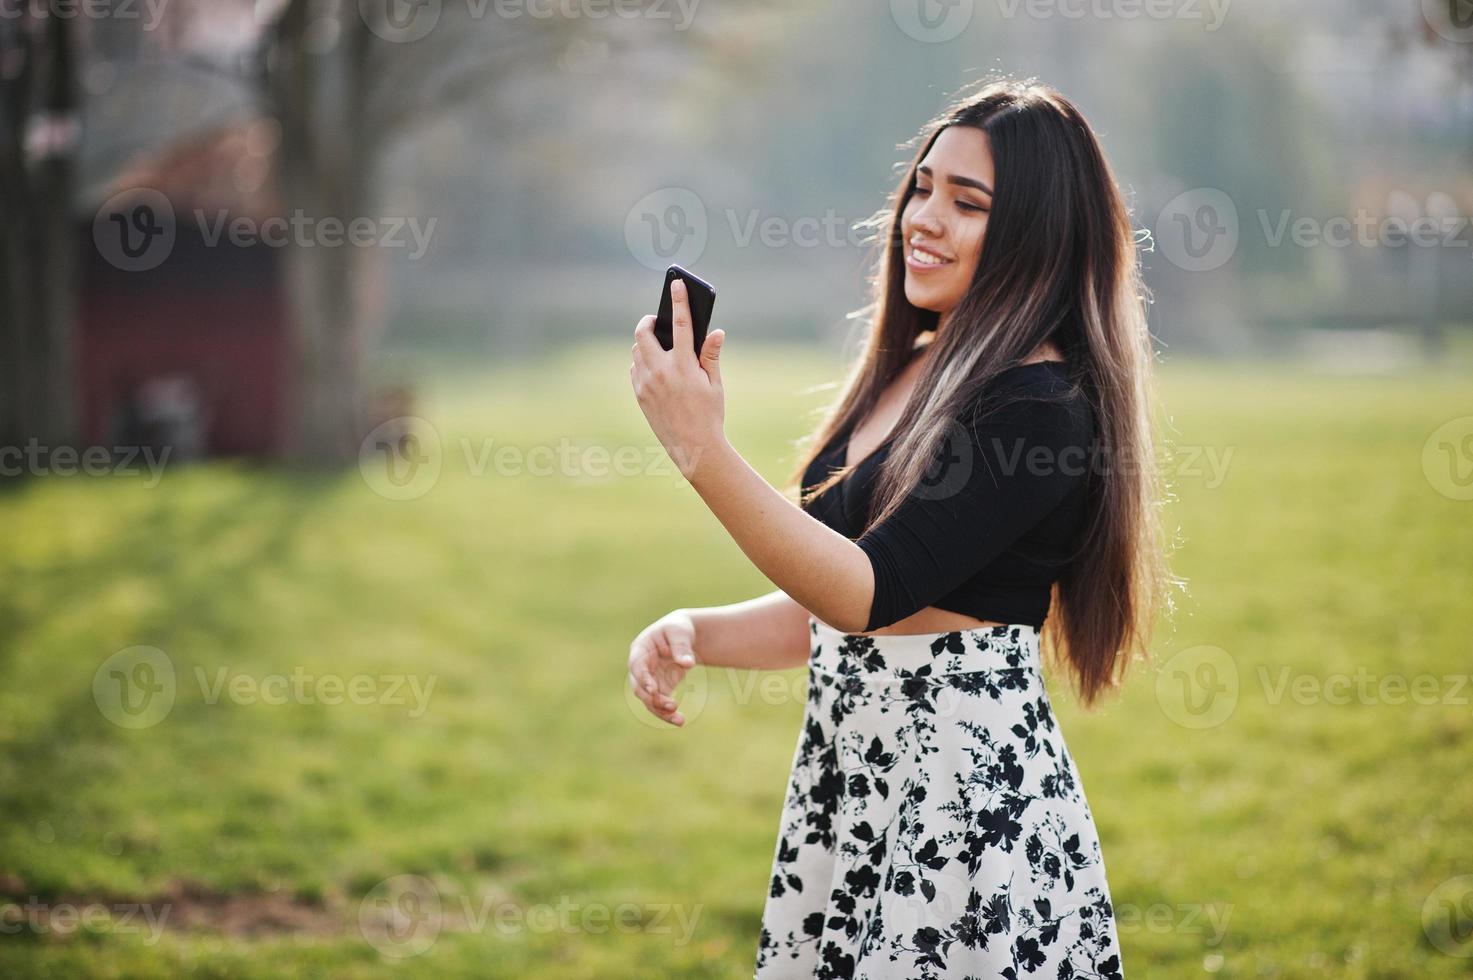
(922, 259)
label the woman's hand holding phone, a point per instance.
(681, 395)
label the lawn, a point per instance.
(385, 736)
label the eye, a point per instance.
(968, 206)
(918, 190)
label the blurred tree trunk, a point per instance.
(343, 92)
(38, 143)
(327, 171)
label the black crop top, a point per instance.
(989, 532)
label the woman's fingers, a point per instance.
(657, 664)
(681, 652)
(657, 703)
(681, 329)
(676, 650)
(650, 689)
(639, 669)
(641, 690)
(645, 343)
(660, 697)
(668, 676)
(661, 706)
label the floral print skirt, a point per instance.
(935, 825)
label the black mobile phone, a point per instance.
(701, 296)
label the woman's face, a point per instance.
(945, 220)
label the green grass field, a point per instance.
(1290, 832)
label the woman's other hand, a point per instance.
(658, 660)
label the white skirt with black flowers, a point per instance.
(935, 825)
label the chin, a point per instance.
(924, 299)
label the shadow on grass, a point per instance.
(237, 524)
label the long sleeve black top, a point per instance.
(994, 522)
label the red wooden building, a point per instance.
(184, 340)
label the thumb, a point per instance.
(711, 353)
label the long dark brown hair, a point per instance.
(1058, 262)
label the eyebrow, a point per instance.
(954, 179)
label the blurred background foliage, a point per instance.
(532, 142)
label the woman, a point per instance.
(963, 486)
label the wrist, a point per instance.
(686, 617)
(706, 459)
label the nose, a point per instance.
(924, 220)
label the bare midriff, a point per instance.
(932, 620)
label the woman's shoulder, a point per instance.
(1052, 380)
(1042, 395)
